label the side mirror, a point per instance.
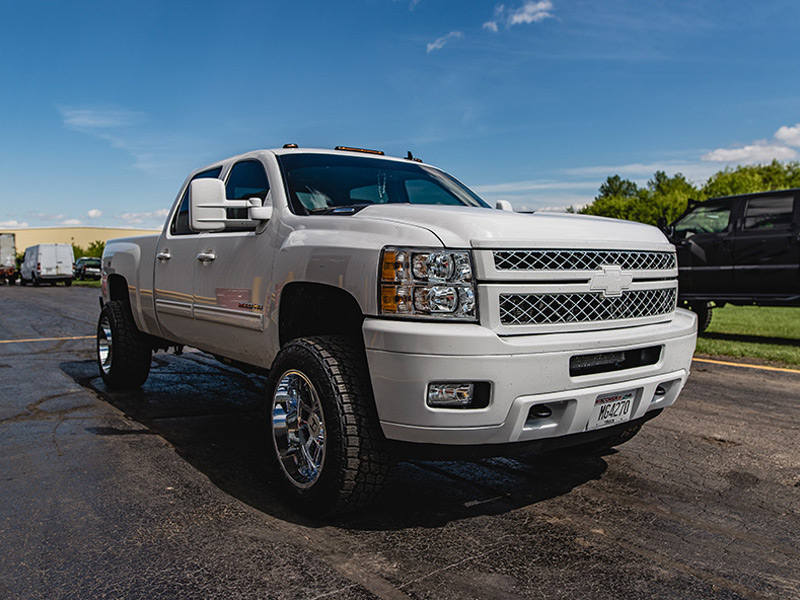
(207, 205)
(504, 205)
(666, 229)
(260, 211)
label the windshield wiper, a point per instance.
(347, 209)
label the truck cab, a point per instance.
(742, 250)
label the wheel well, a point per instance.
(118, 289)
(316, 309)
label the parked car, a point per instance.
(8, 258)
(87, 267)
(47, 263)
(741, 250)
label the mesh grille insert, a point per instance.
(538, 309)
(581, 260)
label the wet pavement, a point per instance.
(163, 493)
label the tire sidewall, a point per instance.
(298, 356)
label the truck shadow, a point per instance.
(211, 415)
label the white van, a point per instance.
(47, 263)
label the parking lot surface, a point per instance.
(163, 493)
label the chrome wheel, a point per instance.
(298, 429)
(104, 346)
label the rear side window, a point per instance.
(180, 224)
(769, 213)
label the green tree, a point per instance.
(616, 186)
(93, 249)
(96, 248)
(747, 179)
(664, 196)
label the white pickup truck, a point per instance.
(399, 315)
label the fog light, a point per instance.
(661, 390)
(450, 394)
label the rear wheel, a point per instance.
(68, 282)
(326, 447)
(123, 352)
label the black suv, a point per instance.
(742, 250)
(86, 268)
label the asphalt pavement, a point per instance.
(163, 493)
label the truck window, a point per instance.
(319, 182)
(247, 179)
(706, 218)
(769, 213)
(180, 223)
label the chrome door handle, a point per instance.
(164, 255)
(206, 256)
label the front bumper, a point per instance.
(523, 371)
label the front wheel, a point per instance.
(123, 353)
(326, 447)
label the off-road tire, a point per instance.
(126, 364)
(355, 462)
(703, 312)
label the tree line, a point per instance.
(665, 196)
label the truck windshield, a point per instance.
(320, 183)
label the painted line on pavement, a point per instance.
(52, 339)
(744, 365)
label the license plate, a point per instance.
(610, 409)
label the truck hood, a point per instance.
(461, 227)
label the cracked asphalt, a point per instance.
(163, 493)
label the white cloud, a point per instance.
(751, 154)
(94, 213)
(530, 186)
(72, 222)
(151, 217)
(13, 224)
(98, 118)
(444, 40)
(531, 12)
(789, 135)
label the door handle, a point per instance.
(206, 256)
(164, 255)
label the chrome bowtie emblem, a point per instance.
(611, 281)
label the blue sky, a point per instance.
(106, 106)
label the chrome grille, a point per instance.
(537, 309)
(581, 260)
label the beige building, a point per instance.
(82, 236)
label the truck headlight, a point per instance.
(427, 283)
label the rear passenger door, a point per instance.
(767, 252)
(176, 257)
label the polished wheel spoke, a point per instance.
(298, 428)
